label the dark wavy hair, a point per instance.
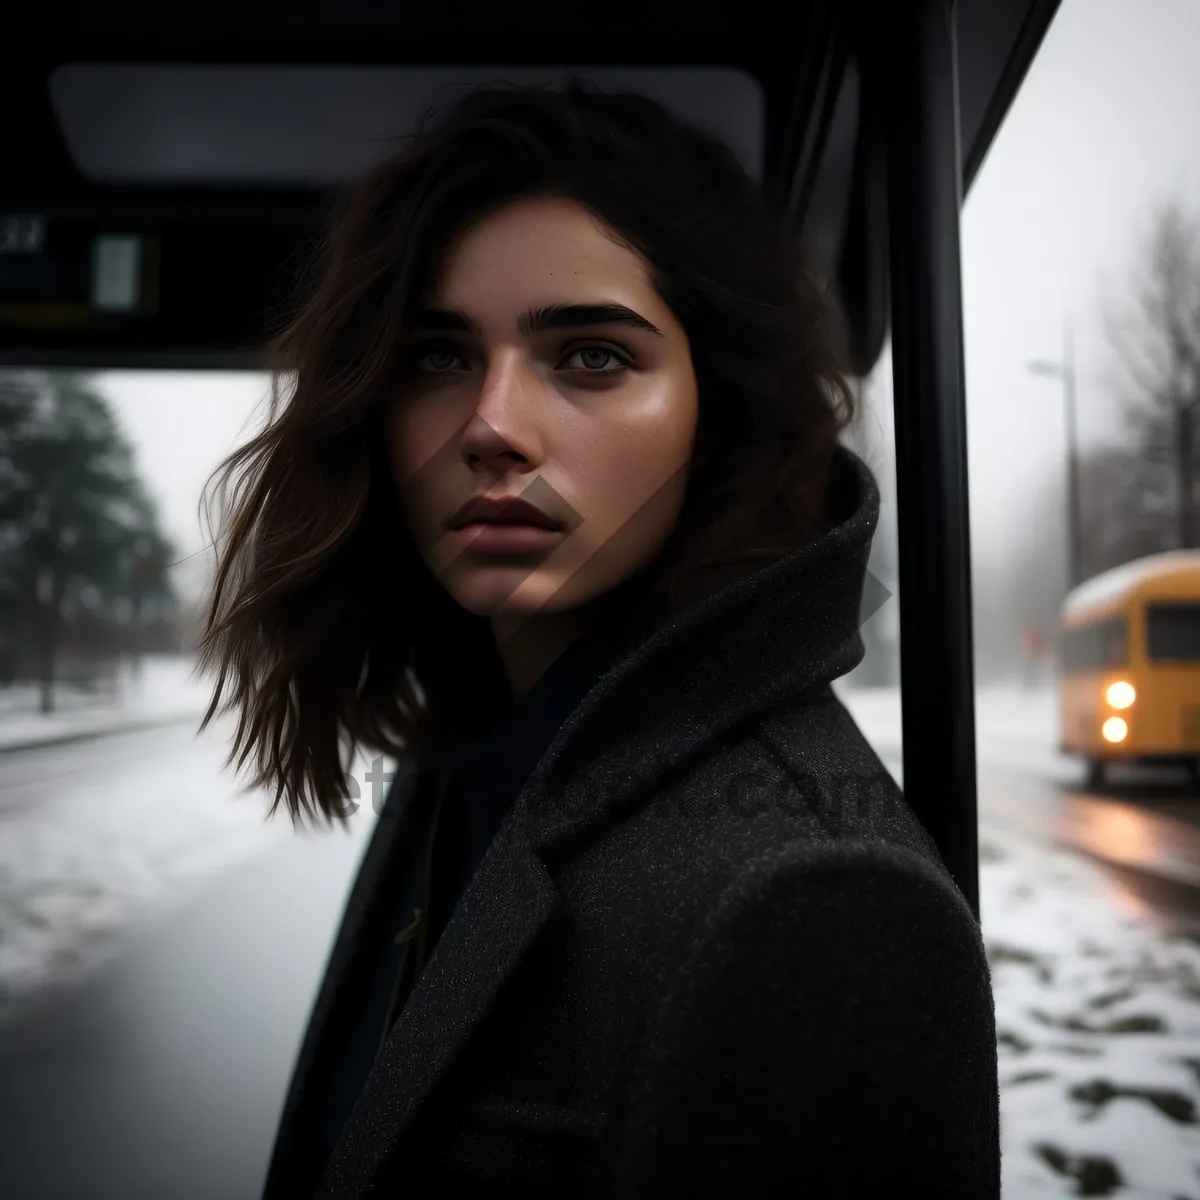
(324, 624)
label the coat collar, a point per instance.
(747, 650)
(505, 755)
(751, 648)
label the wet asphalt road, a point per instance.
(1143, 829)
(162, 1078)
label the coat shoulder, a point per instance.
(806, 772)
(869, 1065)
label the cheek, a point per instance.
(412, 446)
(632, 462)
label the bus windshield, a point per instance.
(1097, 647)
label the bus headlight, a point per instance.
(1114, 730)
(1120, 695)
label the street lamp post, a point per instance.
(1065, 370)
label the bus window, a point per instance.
(1097, 647)
(1173, 632)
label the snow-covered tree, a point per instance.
(80, 542)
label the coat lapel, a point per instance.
(509, 900)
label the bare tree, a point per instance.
(1128, 506)
(1156, 337)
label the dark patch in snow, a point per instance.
(998, 953)
(1028, 1077)
(1077, 1051)
(1137, 1023)
(1110, 998)
(1095, 1176)
(1012, 1041)
(1100, 1092)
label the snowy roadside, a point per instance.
(1098, 1030)
(166, 691)
(1097, 1013)
(120, 846)
(1015, 729)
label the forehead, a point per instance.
(544, 249)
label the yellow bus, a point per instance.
(1129, 686)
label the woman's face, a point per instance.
(546, 366)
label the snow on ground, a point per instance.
(97, 837)
(1016, 728)
(79, 874)
(1097, 1013)
(166, 689)
(1098, 1030)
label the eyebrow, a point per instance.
(538, 320)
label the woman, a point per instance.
(555, 508)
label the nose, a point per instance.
(503, 426)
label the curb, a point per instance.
(83, 735)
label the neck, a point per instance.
(529, 645)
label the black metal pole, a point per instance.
(936, 650)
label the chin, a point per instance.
(517, 592)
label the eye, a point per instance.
(440, 359)
(597, 360)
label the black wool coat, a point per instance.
(710, 952)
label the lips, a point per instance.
(503, 510)
(495, 538)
